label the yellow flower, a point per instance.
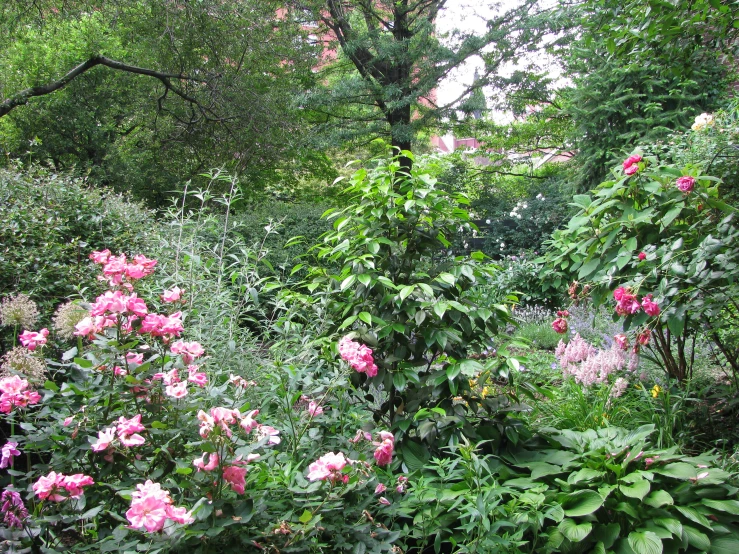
(656, 389)
(485, 391)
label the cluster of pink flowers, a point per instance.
(14, 394)
(619, 387)
(358, 356)
(234, 474)
(32, 340)
(631, 164)
(627, 303)
(13, 510)
(166, 326)
(686, 184)
(384, 451)
(329, 467)
(560, 324)
(127, 431)
(51, 486)
(9, 451)
(589, 365)
(188, 350)
(117, 270)
(175, 386)
(223, 418)
(151, 507)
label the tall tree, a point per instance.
(146, 94)
(398, 61)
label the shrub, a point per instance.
(49, 221)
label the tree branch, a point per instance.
(23, 97)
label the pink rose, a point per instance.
(644, 336)
(650, 307)
(358, 356)
(642, 256)
(172, 295)
(380, 488)
(631, 160)
(32, 340)
(622, 341)
(236, 477)
(314, 409)
(210, 466)
(631, 170)
(686, 184)
(560, 325)
(328, 466)
(100, 257)
(9, 451)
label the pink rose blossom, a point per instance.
(210, 466)
(380, 488)
(358, 356)
(13, 510)
(642, 256)
(384, 452)
(622, 341)
(188, 350)
(50, 486)
(105, 437)
(270, 433)
(74, 484)
(177, 390)
(686, 184)
(560, 325)
(328, 466)
(631, 170)
(151, 507)
(631, 160)
(134, 358)
(314, 409)
(207, 424)
(248, 423)
(68, 421)
(650, 307)
(194, 376)
(172, 295)
(9, 451)
(13, 385)
(236, 477)
(643, 337)
(32, 340)
(100, 257)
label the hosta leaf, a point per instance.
(573, 531)
(678, 470)
(584, 475)
(645, 543)
(582, 503)
(725, 545)
(694, 515)
(730, 506)
(638, 490)
(657, 499)
(696, 538)
(672, 525)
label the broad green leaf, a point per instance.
(305, 517)
(696, 538)
(638, 490)
(588, 268)
(730, 506)
(447, 278)
(582, 503)
(406, 291)
(366, 317)
(645, 543)
(584, 475)
(672, 525)
(694, 515)
(678, 470)
(574, 532)
(657, 499)
(725, 545)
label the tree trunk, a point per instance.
(400, 120)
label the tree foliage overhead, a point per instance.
(392, 60)
(188, 85)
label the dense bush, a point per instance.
(49, 221)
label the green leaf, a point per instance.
(51, 385)
(730, 506)
(366, 317)
(725, 545)
(645, 543)
(348, 282)
(638, 490)
(447, 278)
(670, 216)
(305, 517)
(582, 503)
(678, 470)
(657, 499)
(406, 291)
(414, 455)
(671, 524)
(631, 244)
(696, 538)
(588, 268)
(573, 531)
(584, 475)
(694, 515)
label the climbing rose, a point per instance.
(358, 356)
(105, 437)
(644, 336)
(686, 184)
(210, 466)
(151, 507)
(236, 477)
(560, 325)
(642, 256)
(172, 295)
(650, 307)
(384, 452)
(631, 170)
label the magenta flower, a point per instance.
(9, 451)
(50, 487)
(384, 452)
(630, 164)
(195, 376)
(650, 307)
(644, 336)
(236, 477)
(151, 507)
(105, 437)
(13, 510)
(642, 256)
(270, 433)
(631, 170)
(560, 325)
(686, 184)
(210, 466)
(622, 341)
(358, 356)
(14, 394)
(128, 431)
(100, 257)
(380, 488)
(384, 501)
(74, 484)
(32, 340)
(177, 390)
(188, 350)
(248, 423)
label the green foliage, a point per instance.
(628, 90)
(399, 292)
(689, 244)
(49, 222)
